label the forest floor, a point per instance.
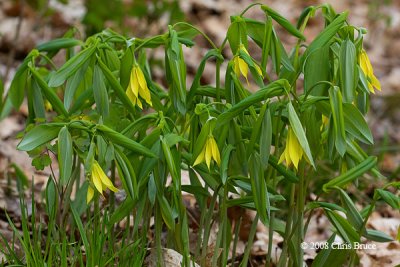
(21, 33)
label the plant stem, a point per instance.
(284, 255)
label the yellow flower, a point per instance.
(47, 105)
(138, 87)
(210, 151)
(325, 122)
(293, 151)
(241, 67)
(100, 180)
(366, 67)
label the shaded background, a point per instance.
(24, 24)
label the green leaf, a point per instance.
(226, 155)
(389, 198)
(166, 212)
(57, 44)
(127, 174)
(330, 256)
(116, 86)
(49, 93)
(41, 162)
(343, 227)
(275, 88)
(100, 92)
(325, 36)
(299, 132)
(351, 174)
(79, 202)
(335, 98)
(17, 87)
(255, 30)
(176, 73)
(65, 155)
(71, 66)
(356, 125)
(352, 214)
(124, 141)
(38, 136)
(172, 166)
(317, 69)
(82, 232)
(38, 103)
(255, 133)
(348, 71)
(51, 198)
(282, 21)
(363, 81)
(378, 236)
(266, 138)
(237, 33)
(123, 210)
(321, 204)
(258, 186)
(266, 44)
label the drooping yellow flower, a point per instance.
(209, 151)
(241, 67)
(100, 180)
(47, 105)
(293, 151)
(138, 87)
(366, 67)
(325, 122)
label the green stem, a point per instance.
(250, 6)
(300, 214)
(249, 242)
(284, 255)
(199, 31)
(217, 79)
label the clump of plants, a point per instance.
(115, 131)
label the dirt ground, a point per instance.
(22, 28)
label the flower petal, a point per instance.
(294, 149)
(365, 64)
(244, 69)
(208, 152)
(258, 69)
(200, 157)
(96, 179)
(90, 194)
(236, 68)
(375, 82)
(215, 151)
(282, 157)
(107, 182)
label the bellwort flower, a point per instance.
(100, 180)
(366, 67)
(138, 87)
(209, 151)
(240, 66)
(293, 151)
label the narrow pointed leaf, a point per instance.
(348, 71)
(38, 136)
(299, 132)
(72, 65)
(65, 154)
(351, 174)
